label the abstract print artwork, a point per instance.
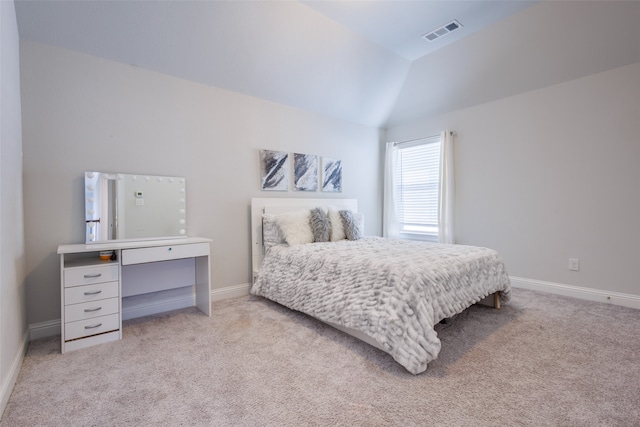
(305, 172)
(274, 170)
(331, 175)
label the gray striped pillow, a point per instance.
(353, 223)
(320, 225)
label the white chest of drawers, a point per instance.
(91, 290)
(90, 303)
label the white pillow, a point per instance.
(337, 229)
(295, 227)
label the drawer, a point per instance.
(77, 276)
(86, 293)
(89, 310)
(85, 328)
(164, 253)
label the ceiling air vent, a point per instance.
(442, 31)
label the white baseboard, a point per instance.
(230, 292)
(44, 329)
(616, 298)
(14, 370)
(155, 307)
(52, 327)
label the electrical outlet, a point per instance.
(574, 264)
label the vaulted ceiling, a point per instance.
(361, 61)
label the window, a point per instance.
(417, 184)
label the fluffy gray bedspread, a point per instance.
(394, 291)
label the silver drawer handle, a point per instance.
(93, 326)
(92, 276)
(93, 293)
(89, 310)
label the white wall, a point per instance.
(13, 325)
(550, 175)
(85, 113)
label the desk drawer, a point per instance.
(87, 293)
(164, 253)
(78, 276)
(89, 310)
(85, 328)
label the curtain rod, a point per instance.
(451, 132)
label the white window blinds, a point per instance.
(417, 182)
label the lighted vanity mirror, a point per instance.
(121, 206)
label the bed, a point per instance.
(389, 293)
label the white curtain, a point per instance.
(389, 217)
(446, 230)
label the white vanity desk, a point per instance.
(92, 289)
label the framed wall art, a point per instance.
(305, 172)
(274, 170)
(331, 175)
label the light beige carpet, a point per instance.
(542, 360)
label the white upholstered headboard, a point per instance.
(280, 205)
